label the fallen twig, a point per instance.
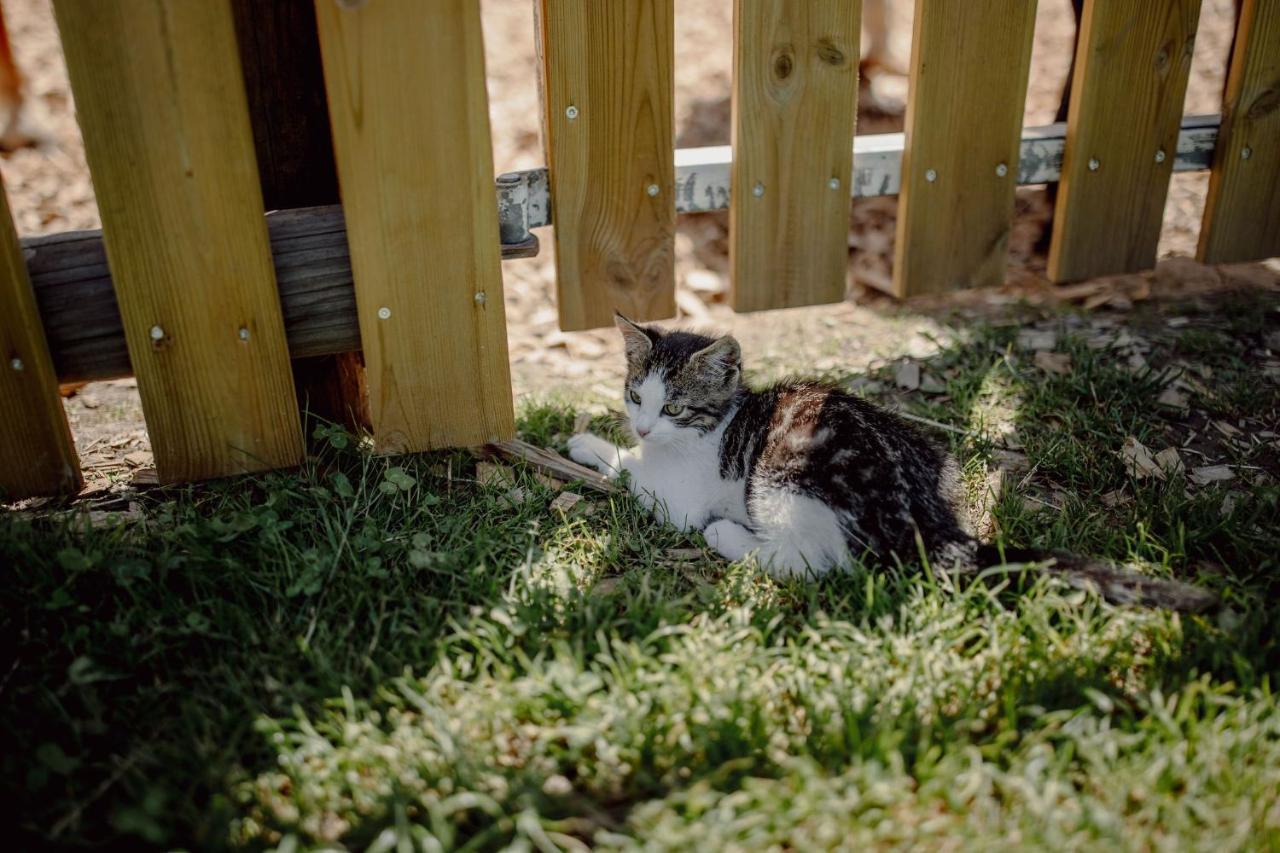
(551, 463)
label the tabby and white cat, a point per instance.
(802, 475)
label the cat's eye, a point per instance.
(671, 410)
(635, 398)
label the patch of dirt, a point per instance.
(49, 191)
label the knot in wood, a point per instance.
(829, 53)
(783, 64)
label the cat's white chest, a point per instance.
(685, 486)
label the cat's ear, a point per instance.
(724, 357)
(639, 341)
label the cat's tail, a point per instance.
(1115, 583)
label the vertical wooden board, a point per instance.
(795, 98)
(969, 65)
(608, 79)
(37, 456)
(1132, 62)
(162, 108)
(1242, 211)
(407, 98)
(284, 82)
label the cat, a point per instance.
(804, 476)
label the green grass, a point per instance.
(374, 652)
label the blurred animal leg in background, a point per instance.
(883, 69)
(17, 128)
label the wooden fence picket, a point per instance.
(608, 90)
(162, 107)
(410, 115)
(970, 60)
(795, 98)
(1132, 64)
(1242, 210)
(37, 456)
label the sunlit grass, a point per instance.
(383, 653)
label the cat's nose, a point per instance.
(641, 431)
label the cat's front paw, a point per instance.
(592, 451)
(730, 539)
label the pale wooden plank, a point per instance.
(1132, 63)
(969, 65)
(1242, 210)
(162, 108)
(795, 97)
(608, 90)
(37, 456)
(406, 89)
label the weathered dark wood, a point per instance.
(309, 248)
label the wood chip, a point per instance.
(1207, 474)
(1037, 339)
(581, 422)
(1228, 505)
(907, 376)
(1141, 464)
(1115, 498)
(1053, 362)
(566, 502)
(1172, 398)
(145, 477)
(683, 555)
(491, 475)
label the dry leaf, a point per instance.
(683, 555)
(1053, 362)
(1228, 504)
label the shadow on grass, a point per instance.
(593, 648)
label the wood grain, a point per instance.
(612, 63)
(162, 108)
(969, 65)
(410, 114)
(313, 272)
(1242, 210)
(795, 98)
(37, 456)
(1132, 62)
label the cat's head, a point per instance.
(679, 384)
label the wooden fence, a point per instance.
(199, 116)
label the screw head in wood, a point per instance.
(384, 313)
(481, 298)
(1246, 152)
(157, 333)
(833, 184)
(1160, 155)
(571, 112)
(652, 190)
(244, 333)
(930, 175)
(1002, 170)
(16, 364)
(1094, 164)
(757, 190)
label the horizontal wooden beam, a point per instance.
(313, 269)
(313, 272)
